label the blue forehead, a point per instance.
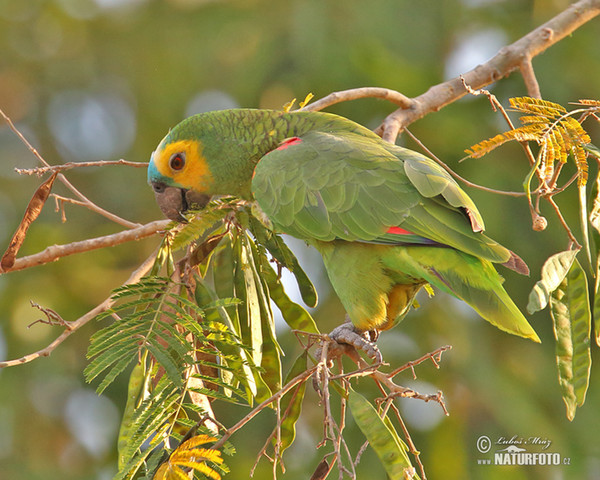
(155, 176)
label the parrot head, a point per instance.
(205, 155)
(179, 176)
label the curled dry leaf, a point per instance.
(33, 211)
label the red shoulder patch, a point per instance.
(288, 142)
(398, 231)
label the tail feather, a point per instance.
(473, 280)
(517, 264)
(491, 302)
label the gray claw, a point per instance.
(362, 341)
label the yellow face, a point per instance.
(183, 162)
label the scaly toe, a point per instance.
(347, 334)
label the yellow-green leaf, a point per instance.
(134, 390)
(393, 456)
(596, 307)
(570, 309)
(537, 106)
(291, 403)
(553, 272)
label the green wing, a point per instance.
(344, 185)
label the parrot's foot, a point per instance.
(363, 341)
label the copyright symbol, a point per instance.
(484, 444)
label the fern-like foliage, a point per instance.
(162, 332)
(189, 456)
(558, 133)
(564, 282)
(206, 330)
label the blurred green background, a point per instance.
(105, 79)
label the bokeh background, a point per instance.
(105, 79)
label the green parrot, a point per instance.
(386, 220)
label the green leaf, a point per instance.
(572, 321)
(134, 391)
(241, 366)
(271, 350)
(281, 252)
(147, 427)
(164, 256)
(294, 315)
(392, 454)
(596, 306)
(595, 222)
(583, 220)
(114, 372)
(203, 223)
(253, 314)
(554, 271)
(108, 358)
(592, 149)
(165, 360)
(291, 403)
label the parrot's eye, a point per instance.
(177, 161)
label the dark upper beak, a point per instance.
(174, 201)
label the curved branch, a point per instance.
(54, 252)
(355, 93)
(509, 58)
(518, 55)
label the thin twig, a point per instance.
(411, 444)
(91, 205)
(456, 175)
(52, 317)
(54, 252)
(563, 222)
(81, 321)
(496, 105)
(291, 384)
(355, 93)
(434, 356)
(39, 171)
(528, 74)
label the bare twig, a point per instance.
(411, 444)
(91, 205)
(356, 93)
(39, 171)
(52, 317)
(456, 175)
(291, 384)
(496, 105)
(434, 356)
(563, 222)
(54, 252)
(75, 325)
(60, 201)
(528, 74)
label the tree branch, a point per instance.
(355, 93)
(72, 327)
(39, 171)
(528, 74)
(502, 64)
(518, 55)
(88, 203)
(54, 252)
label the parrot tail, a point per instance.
(473, 280)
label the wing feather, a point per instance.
(347, 186)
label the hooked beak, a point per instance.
(174, 201)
